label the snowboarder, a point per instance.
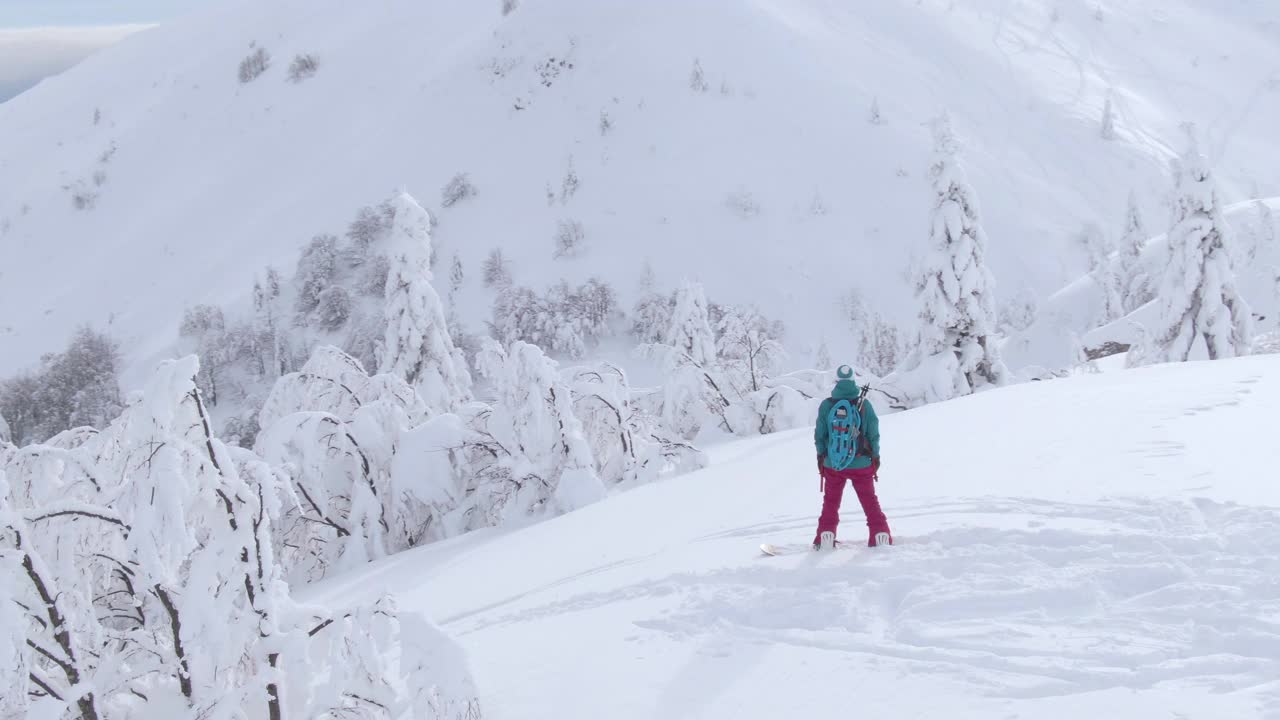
(847, 436)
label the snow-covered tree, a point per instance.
(695, 391)
(339, 433)
(1103, 273)
(629, 445)
(496, 272)
(749, 347)
(877, 341)
(204, 331)
(73, 388)
(1201, 312)
(822, 356)
(1135, 283)
(957, 353)
(697, 78)
(417, 345)
(566, 320)
(690, 329)
(651, 315)
(1108, 120)
(874, 116)
(543, 463)
(1263, 236)
(317, 265)
(1019, 312)
(138, 574)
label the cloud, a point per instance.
(29, 55)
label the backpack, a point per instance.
(844, 430)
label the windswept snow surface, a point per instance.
(1101, 546)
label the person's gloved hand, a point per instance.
(875, 467)
(819, 464)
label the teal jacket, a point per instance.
(870, 425)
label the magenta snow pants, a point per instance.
(864, 484)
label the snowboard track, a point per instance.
(1083, 597)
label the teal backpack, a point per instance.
(844, 428)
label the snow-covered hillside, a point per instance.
(1101, 546)
(730, 141)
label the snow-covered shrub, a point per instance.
(303, 67)
(542, 462)
(254, 65)
(82, 196)
(73, 388)
(456, 190)
(874, 115)
(570, 239)
(386, 664)
(1201, 312)
(772, 409)
(956, 353)
(509, 6)
(743, 204)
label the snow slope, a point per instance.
(1101, 546)
(772, 186)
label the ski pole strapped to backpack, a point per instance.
(844, 430)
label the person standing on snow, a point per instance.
(847, 436)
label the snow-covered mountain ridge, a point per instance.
(739, 149)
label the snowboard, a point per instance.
(772, 550)
(790, 549)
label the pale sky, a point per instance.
(39, 38)
(45, 13)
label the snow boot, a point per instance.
(881, 538)
(827, 541)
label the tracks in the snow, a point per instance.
(1020, 598)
